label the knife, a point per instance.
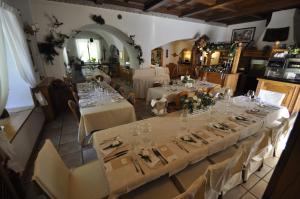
(200, 138)
(115, 156)
(157, 153)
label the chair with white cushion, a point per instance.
(59, 182)
(162, 188)
(271, 97)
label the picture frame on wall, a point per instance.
(243, 35)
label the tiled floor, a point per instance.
(63, 132)
(256, 184)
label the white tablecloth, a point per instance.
(144, 79)
(170, 91)
(107, 112)
(124, 178)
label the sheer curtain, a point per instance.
(13, 43)
(87, 50)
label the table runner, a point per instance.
(89, 74)
(108, 111)
(170, 91)
(165, 129)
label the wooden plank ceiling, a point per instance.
(222, 11)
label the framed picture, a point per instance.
(244, 35)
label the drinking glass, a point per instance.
(251, 94)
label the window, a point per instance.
(87, 50)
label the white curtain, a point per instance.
(13, 46)
(87, 50)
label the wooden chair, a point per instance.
(172, 68)
(131, 98)
(58, 181)
(99, 77)
(178, 99)
(75, 97)
(74, 109)
(156, 84)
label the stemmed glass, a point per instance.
(227, 98)
(251, 94)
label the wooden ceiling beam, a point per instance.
(151, 5)
(267, 7)
(197, 11)
(177, 4)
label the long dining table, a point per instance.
(170, 91)
(101, 107)
(125, 150)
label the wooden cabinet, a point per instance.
(291, 91)
(225, 80)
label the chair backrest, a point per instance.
(99, 77)
(131, 98)
(50, 172)
(156, 84)
(271, 97)
(75, 96)
(218, 174)
(196, 190)
(160, 108)
(74, 109)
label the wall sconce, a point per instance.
(31, 29)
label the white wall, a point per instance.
(175, 47)
(284, 18)
(150, 31)
(259, 25)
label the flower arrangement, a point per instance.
(199, 101)
(187, 79)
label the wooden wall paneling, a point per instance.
(236, 59)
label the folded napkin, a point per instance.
(207, 136)
(153, 159)
(242, 122)
(257, 112)
(109, 153)
(188, 139)
(118, 163)
(167, 153)
(221, 127)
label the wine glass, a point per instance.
(251, 94)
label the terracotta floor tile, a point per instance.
(259, 189)
(253, 179)
(263, 171)
(271, 162)
(248, 196)
(235, 193)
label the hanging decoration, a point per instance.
(137, 47)
(119, 16)
(55, 39)
(98, 19)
